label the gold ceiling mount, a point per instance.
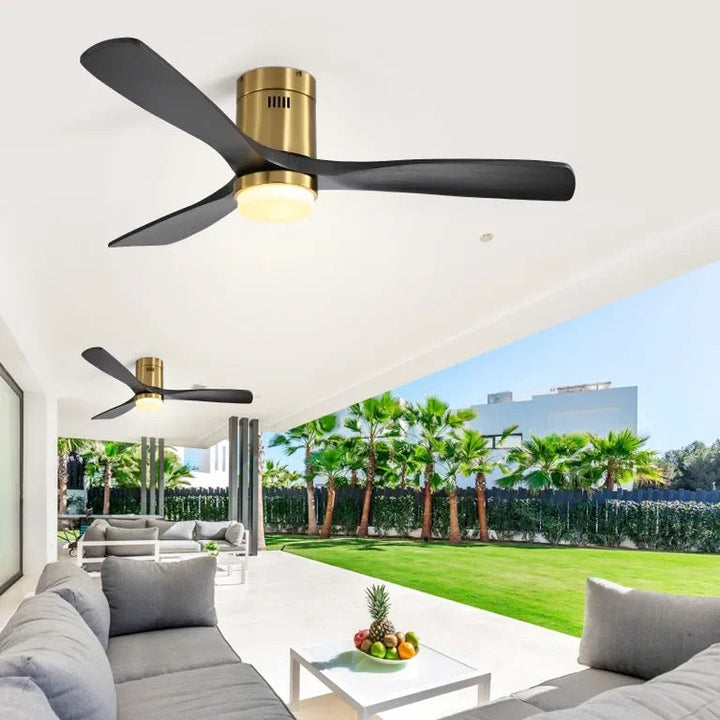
(149, 371)
(276, 107)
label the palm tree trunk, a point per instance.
(353, 478)
(427, 503)
(106, 488)
(329, 509)
(455, 536)
(403, 479)
(610, 478)
(310, 485)
(365, 517)
(480, 486)
(62, 483)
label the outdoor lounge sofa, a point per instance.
(146, 645)
(123, 536)
(650, 656)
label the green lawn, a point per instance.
(538, 584)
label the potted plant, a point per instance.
(212, 548)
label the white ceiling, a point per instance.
(375, 289)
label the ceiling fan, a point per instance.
(271, 149)
(147, 385)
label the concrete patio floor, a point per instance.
(292, 601)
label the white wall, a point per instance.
(39, 457)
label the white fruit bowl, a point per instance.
(383, 661)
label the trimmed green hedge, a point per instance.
(576, 519)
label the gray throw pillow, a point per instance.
(211, 530)
(127, 522)
(113, 533)
(170, 530)
(95, 532)
(47, 641)
(234, 533)
(147, 596)
(82, 592)
(642, 633)
(22, 699)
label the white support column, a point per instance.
(40, 487)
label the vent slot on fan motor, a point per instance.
(278, 101)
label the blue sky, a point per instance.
(665, 340)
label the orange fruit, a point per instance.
(406, 650)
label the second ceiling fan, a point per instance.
(147, 385)
(271, 149)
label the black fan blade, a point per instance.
(139, 74)
(103, 360)
(182, 223)
(116, 411)
(510, 179)
(209, 395)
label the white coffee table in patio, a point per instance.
(229, 562)
(371, 687)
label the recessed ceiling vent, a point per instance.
(278, 101)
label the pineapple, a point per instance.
(378, 602)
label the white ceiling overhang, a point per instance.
(374, 290)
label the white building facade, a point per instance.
(592, 408)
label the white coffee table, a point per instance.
(228, 562)
(371, 687)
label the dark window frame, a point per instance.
(5, 375)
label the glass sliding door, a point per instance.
(11, 422)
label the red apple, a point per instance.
(360, 635)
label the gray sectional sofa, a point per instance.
(650, 656)
(145, 645)
(173, 538)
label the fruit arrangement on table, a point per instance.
(381, 641)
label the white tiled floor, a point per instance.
(288, 600)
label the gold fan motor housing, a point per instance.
(276, 107)
(149, 371)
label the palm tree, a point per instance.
(433, 421)
(475, 452)
(175, 473)
(403, 463)
(621, 457)
(330, 462)
(356, 456)
(112, 459)
(373, 420)
(307, 438)
(279, 475)
(65, 446)
(450, 457)
(545, 462)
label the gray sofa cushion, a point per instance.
(168, 547)
(234, 533)
(205, 530)
(641, 633)
(76, 587)
(127, 522)
(116, 533)
(503, 709)
(22, 699)
(226, 692)
(147, 596)
(571, 690)
(170, 530)
(690, 691)
(95, 532)
(47, 641)
(147, 654)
